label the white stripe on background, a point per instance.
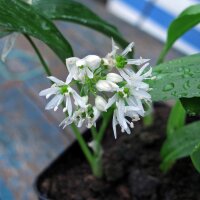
(132, 16)
(175, 7)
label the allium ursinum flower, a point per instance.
(62, 92)
(127, 90)
(129, 95)
(87, 115)
(119, 61)
(120, 117)
(81, 68)
(10, 41)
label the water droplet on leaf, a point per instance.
(168, 87)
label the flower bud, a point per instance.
(100, 103)
(93, 61)
(80, 63)
(106, 86)
(114, 78)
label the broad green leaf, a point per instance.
(176, 119)
(180, 144)
(68, 10)
(192, 105)
(17, 16)
(189, 18)
(195, 157)
(176, 79)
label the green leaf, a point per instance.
(176, 119)
(73, 11)
(189, 18)
(195, 157)
(180, 144)
(17, 16)
(192, 105)
(177, 78)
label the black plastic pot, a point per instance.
(66, 156)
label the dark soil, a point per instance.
(131, 165)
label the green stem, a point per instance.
(106, 120)
(76, 131)
(83, 144)
(148, 120)
(44, 64)
(94, 132)
(162, 56)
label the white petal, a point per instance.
(80, 123)
(139, 73)
(114, 77)
(89, 73)
(141, 85)
(114, 46)
(100, 103)
(53, 103)
(67, 121)
(120, 114)
(68, 106)
(93, 61)
(9, 44)
(107, 86)
(48, 91)
(142, 94)
(78, 99)
(80, 63)
(56, 80)
(128, 49)
(137, 61)
(125, 76)
(131, 102)
(111, 101)
(148, 73)
(71, 62)
(131, 108)
(114, 124)
(59, 102)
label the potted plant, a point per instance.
(123, 88)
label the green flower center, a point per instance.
(124, 93)
(120, 61)
(90, 111)
(63, 89)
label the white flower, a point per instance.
(81, 68)
(129, 98)
(119, 60)
(100, 103)
(62, 92)
(120, 114)
(114, 77)
(92, 61)
(88, 115)
(106, 86)
(136, 80)
(72, 69)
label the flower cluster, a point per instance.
(111, 81)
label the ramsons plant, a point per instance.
(115, 85)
